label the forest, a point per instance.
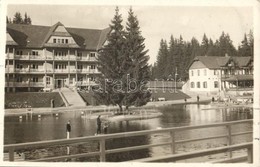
(175, 56)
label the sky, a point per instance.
(156, 22)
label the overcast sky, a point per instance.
(156, 22)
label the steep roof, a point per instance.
(216, 62)
(34, 36)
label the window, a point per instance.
(198, 84)
(62, 40)
(19, 52)
(54, 40)
(80, 78)
(35, 53)
(92, 54)
(215, 72)
(192, 85)
(198, 72)
(80, 66)
(34, 66)
(35, 79)
(19, 79)
(66, 41)
(19, 66)
(79, 54)
(192, 73)
(58, 40)
(48, 80)
(205, 84)
(205, 72)
(215, 84)
(92, 67)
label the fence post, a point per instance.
(172, 133)
(250, 154)
(229, 139)
(102, 146)
(11, 154)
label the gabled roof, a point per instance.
(242, 61)
(216, 62)
(34, 36)
(213, 62)
(10, 40)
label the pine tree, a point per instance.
(139, 69)
(18, 18)
(112, 62)
(124, 65)
(29, 20)
(162, 60)
(244, 49)
(25, 21)
(251, 42)
(204, 45)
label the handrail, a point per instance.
(102, 138)
(181, 156)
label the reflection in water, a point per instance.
(52, 127)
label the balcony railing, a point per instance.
(9, 70)
(22, 70)
(24, 84)
(9, 55)
(36, 84)
(22, 57)
(61, 70)
(36, 70)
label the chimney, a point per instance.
(226, 55)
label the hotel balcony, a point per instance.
(36, 71)
(63, 71)
(92, 59)
(232, 77)
(23, 70)
(24, 84)
(21, 57)
(9, 70)
(9, 56)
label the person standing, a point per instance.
(68, 129)
(198, 98)
(98, 125)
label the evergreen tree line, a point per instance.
(175, 57)
(123, 62)
(18, 19)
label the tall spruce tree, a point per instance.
(162, 60)
(18, 18)
(112, 62)
(123, 64)
(139, 69)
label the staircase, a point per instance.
(72, 97)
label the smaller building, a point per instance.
(213, 74)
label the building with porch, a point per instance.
(214, 74)
(50, 57)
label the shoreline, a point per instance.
(103, 108)
(46, 111)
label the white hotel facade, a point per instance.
(213, 74)
(50, 57)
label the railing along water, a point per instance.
(11, 148)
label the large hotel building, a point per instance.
(50, 57)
